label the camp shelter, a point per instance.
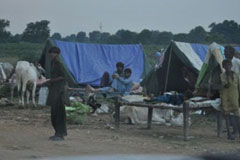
(85, 63)
(169, 77)
(209, 77)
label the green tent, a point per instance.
(208, 81)
(169, 77)
(209, 76)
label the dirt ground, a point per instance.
(24, 135)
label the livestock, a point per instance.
(2, 74)
(5, 69)
(26, 79)
(12, 82)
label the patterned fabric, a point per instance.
(230, 95)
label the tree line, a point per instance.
(227, 31)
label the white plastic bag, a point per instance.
(43, 94)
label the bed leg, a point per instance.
(186, 120)
(150, 111)
(219, 123)
(117, 113)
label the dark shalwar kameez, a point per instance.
(56, 99)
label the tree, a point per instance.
(163, 38)
(126, 36)
(15, 39)
(182, 37)
(4, 35)
(71, 38)
(113, 39)
(36, 32)
(197, 35)
(81, 37)
(229, 29)
(95, 36)
(56, 36)
(215, 37)
(104, 37)
(144, 37)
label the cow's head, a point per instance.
(39, 69)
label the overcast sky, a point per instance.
(71, 16)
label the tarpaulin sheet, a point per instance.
(200, 49)
(237, 48)
(88, 62)
(193, 53)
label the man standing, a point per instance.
(229, 53)
(56, 95)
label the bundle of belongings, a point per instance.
(93, 103)
(76, 112)
(139, 115)
(168, 97)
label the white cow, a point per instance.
(26, 80)
(2, 74)
(5, 69)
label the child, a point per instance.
(106, 80)
(123, 84)
(229, 96)
(119, 84)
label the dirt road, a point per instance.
(24, 135)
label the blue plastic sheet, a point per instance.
(88, 62)
(201, 50)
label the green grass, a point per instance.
(10, 59)
(12, 52)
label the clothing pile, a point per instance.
(168, 97)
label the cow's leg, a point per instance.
(33, 93)
(23, 91)
(28, 95)
(12, 89)
(19, 91)
(12, 86)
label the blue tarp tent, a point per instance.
(86, 63)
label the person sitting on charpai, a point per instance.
(123, 85)
(107, 80)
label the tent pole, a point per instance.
(209, 85)
(169, 60)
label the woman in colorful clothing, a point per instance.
(230, 96)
